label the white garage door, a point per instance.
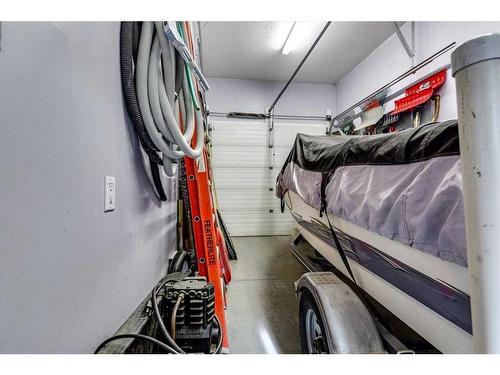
(245, 172)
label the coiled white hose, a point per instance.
(155, 82)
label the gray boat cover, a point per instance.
(405, 186)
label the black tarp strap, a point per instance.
(281, 194)
(323, 209)
(339, 247)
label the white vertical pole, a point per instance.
(476, 68)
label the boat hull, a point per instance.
(426, 292)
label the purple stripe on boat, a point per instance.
(452, 304)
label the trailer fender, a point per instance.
(349, 326)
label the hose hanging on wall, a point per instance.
(128, 51)
(159, 97)
(155, 92)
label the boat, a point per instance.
(393, 203)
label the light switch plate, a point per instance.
(109, 193)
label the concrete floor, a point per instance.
(262, 308)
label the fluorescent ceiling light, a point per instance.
(301, 34)
(290, 40)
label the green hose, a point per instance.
(188, 71)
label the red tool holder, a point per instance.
(372, 104)
(419, 93)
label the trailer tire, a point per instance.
(313, 338)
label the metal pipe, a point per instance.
(476, 68)
(413, 43)
(394, 81)
(403, 41)
(288, 37)
(200, 47)
(271, 108)
(291, 117)
(272, 136)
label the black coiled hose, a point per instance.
(180, 257)
(128, 48)
(155, 174)
(129, 93)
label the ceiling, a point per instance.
(252, 50)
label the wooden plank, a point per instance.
(134, 324)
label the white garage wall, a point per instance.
(71, 274)
(389, 60)
(241, 154)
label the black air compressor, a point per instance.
(189, 303)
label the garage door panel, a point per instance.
(254, 200)
(250, 223)
(239, 132)
(241, 160)
(241, 157)
(244, 178)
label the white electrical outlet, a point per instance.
(109, 193)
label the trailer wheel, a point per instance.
(312, 330)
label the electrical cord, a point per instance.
(174, 349)
(173, 318)
(163, 328)
(136, 336)
(156, 309)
